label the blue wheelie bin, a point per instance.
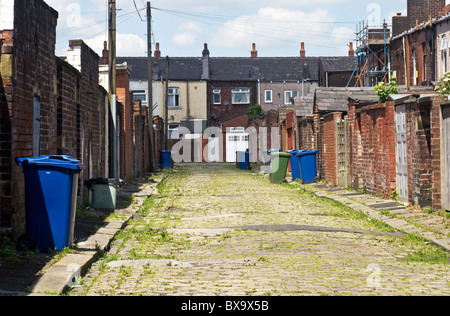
(295, 164)
(166, 159)
(243, 160)
(51, 186)
(308, 165)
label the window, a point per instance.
(140, 95)
(240, 96)
(173, 131)
(174, 97)
(415, 72)
(288, 95)
(217, 98)
(268, 96)
(444, 54)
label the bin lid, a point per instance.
(280, 154)
(296, 151)
(307, 152)
(61, 161)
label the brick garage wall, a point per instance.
(306, 131)
(329, 147)
(28, 73)
(419, 160)
(89, 116)
(68, 98)
(435, 139)
(371, 131)
(124, 97)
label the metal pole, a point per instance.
(166, 108)
(112, 84)
(150, 88)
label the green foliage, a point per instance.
(443, 87)
(255, 112)
(383, 90)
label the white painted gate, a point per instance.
(401, 153)
(237, 140)
(213, 149)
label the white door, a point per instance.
(213, 149)
(401, 153)
(237, 140)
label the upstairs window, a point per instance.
(268, 96)
(240, 96)
(140, 95)
(217, 98)
(174, 97)
(289, 95)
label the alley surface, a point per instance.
(218, 231)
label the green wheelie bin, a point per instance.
(278, 166)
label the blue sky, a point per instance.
(228, 26)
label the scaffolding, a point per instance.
(372, 54)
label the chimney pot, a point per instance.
(105, 54)
(157, 52)
(351, 51)
(254, 52)
(302, 50)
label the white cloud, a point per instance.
(129, 45)
(186, 34)
(272, 24)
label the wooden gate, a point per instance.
(341, 153)
(446, 147)
(401, 153)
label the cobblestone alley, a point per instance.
(218, 231)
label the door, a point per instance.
(401, 153)
(237, 140)
(446, 147)
(341, 153)
(213, 149)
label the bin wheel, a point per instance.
(26, 242)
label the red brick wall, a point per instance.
(306, 131)
(224, 112)
(124, 96)
(421, 10)
(435, 139)
(329, 147)
(371, 131)
(28, 72)
(419, 152)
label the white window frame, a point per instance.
(288, 95)
(140, 95)
(444, 54)
(268, 96)
(173, 131)
(174, 97)
(240, 96)
(217, 93)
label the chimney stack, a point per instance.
(254, 53)
(105, 54)
(302, 50)
(205, 63)
(157, 52)
(351, 51)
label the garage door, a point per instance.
(237, 140)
